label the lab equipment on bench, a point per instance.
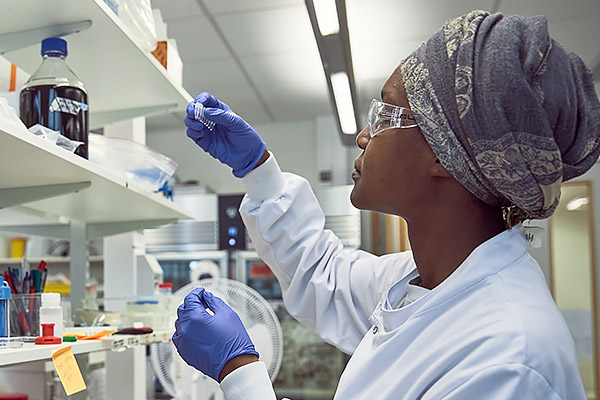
(156, 312)
(184, 382)
(55, 97)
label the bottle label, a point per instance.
(67, 106)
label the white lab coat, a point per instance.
(491, 330)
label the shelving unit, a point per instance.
(122, 79)
(53, 187)
(47, 191)
(50, 260)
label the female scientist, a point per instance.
(475, 132)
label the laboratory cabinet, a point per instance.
(47, 191)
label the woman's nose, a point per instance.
(363, 138)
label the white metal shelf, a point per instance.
(32, 352)
(108, 206)
(122, 79)
(33, 261)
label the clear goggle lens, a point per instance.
(383, 116)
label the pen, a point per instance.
(37, 280)
(44, 276)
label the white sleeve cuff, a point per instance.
(265, 181)
(250, 382)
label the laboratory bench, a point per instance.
(32, 352)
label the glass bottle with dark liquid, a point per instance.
(55, 98)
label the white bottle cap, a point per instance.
(51, 299)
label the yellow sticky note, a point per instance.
(68, 370)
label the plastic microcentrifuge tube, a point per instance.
(199, 116)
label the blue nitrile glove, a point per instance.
(232, 141)
(205, 341)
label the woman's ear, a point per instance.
(438, 171)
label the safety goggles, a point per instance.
(383, 116)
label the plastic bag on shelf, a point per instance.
(139, 164)
(137, 16)
(55, 137)
(9, 114)
(113, 5)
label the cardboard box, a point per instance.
(161, 52)
(167, 54)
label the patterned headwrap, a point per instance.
(509, 112)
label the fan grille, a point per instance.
(256, 314)
(253, 309)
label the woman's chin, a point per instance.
(355, 198)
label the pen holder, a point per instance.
(25, 314)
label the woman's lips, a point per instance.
(355, 174)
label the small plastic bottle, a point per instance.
(165, 297)
(165, 288)
(4, 308)
(51, 313)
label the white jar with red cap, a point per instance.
(165, 288)
(51, 313)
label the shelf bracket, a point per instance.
(18, 40)
(14, 196)
(100, 118)
(102, 229)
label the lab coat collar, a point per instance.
(486, 260)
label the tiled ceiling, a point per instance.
(260, 56)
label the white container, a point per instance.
(51, 313)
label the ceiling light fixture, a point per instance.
(343, 102)
(577, 203)
(327, 17)
(334, 48)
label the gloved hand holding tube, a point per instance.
(208, 340)
(232, 140)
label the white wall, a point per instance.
(331, 154)
(571, 254)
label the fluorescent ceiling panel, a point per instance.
(554, 10)
(174, 10)
(297, 104)
(217, 7)
(572, 35)
(212, 76)
(327, 17)
(302, 70)
(379, 60)
(343, 102)
(196, 40)
(371, 21)
(266, 32)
